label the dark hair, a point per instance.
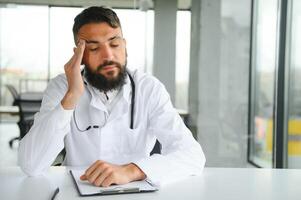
(95, 14)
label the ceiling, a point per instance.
(182, 4)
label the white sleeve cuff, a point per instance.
(63, 116)
(151, 170)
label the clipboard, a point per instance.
(86, 189)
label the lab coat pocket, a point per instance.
(131, 139)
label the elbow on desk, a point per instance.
(27, 166)
(199, 162)
(203, 162)
(31, 172)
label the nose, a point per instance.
(107, 53)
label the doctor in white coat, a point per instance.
(107, 117)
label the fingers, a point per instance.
(95, 174)
(97, 170)
(105, 174)
(79, 51)
(74, 78)
(100, 174)
(83, 177)
(109, 180)
(92, 168)
(77, 57)
(99, 181)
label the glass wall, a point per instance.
(138, 30)
(23, 48)
(182, 58)
(61, 37)
(262, 84)
(294, 92)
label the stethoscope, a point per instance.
(132, 108)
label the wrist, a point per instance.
(135, 173)
(70, 100)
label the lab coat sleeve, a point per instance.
(181, 154)
(40, 146)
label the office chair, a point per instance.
(157, 148)
(28, 104)
(14, 93)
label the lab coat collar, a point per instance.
(95, 94)
(127, 89)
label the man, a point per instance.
(107, 117)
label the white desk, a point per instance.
(214, 184)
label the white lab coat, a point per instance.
(154, 118)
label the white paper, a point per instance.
(87, 188)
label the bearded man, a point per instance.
(107, 117)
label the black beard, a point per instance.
(100, 82)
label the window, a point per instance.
(182, 58)
(61, 37)
(23, 48)
(294, 91)
(262, 82)
(138, 30)
(37, 41)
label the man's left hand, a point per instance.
(105, 174)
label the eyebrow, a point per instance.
(97, 42)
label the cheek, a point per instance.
(122, 57)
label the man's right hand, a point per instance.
(74, 78)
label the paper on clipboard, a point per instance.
(86, 189)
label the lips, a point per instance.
(108, 67)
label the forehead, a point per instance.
(98, 31)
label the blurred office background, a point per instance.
(231, 68)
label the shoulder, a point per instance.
(148, 85)
(58, 83)
(59, 80)
(145, 80)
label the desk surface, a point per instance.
(214, 183)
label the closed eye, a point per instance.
(94, 49)
(114, 45)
